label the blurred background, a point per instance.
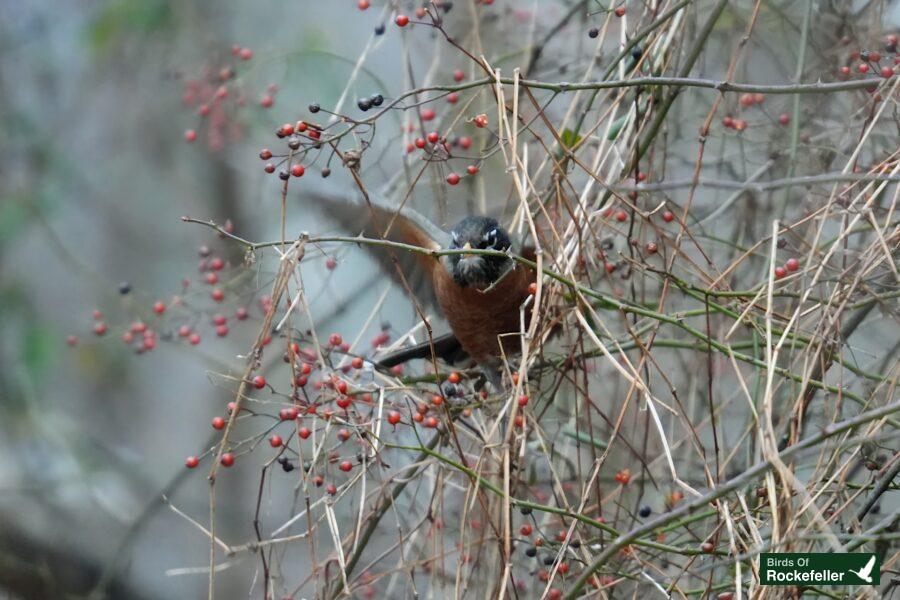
(95, 102)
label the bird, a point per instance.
(479, 295)
(866, 572)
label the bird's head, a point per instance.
(472, 270)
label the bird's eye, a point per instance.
(490, 238)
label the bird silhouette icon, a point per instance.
(866, 572)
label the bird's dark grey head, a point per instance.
(478, 271)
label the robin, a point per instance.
(479, 295)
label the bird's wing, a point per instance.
(380, 218)
(866, 570)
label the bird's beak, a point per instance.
(468, 246)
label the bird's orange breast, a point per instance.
(479, 318)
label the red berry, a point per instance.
(259, 382)
(330, 263)
(458, 75)
(465, 142)
(192, 462)
(346, 466)
(454, 377)
(343, 401)
(431, 422)
(437, 400)
(623, 476)
(563, 568)
(297, 170)
(428, 114)
(218, 423)
(862, 68)
(845, 70)
(668, 216)
(887, 72)
(246, 54)
(621, 216)
(393, 417)
(433, 137)
(472, 169)
(532, 288)
(554, 593)
(218, 295)
(401, 20)
(652, 247)
(287, 129)
(194, 339)
(523, 400)
(453, 178)
(452, 97)
(363, 4)
(707, 547)
(740, 124)
(275, 441)
(620, 11)
(792, 264)
(240, 314)
(420, 143)
(331, 489)
(72, 340)
(526, 529)
(335, 339)
(267, 101)
(728, 122)
(784, 119)
(780, 272)
(100, 328)
(190, 135)
(288, 414)
(227, 459)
